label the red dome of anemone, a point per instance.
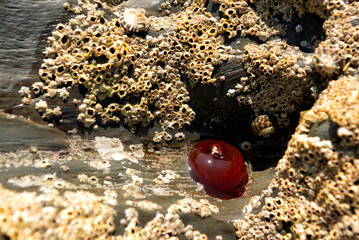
(219, 167)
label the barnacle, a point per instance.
(110, 64)
(135, 20)
(327, 61)
(316, 183)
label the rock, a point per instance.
(18, 133)
(39, 152)
(315, 185)
(23, 33)
(88, 169)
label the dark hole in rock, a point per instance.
(286, 226)
(304, 32)
(162, 64)
(112, 50)
(64, 39)
(219, 117)
(4, 237)
(60, 69)
(100, 60)
(119, 57)
(90, 112)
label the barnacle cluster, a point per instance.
(279, 80)
(44, 180)
(84, 215)
(162, 226)
(238, 16)
(344, 108)
(166, 6)
(124, 78)
(201, 208)
(317, 179)
(131, 80)
(128, 78)
(314, 193)
(201, 31)
(135, 80)
(25, 94)
(165, 225)
(340, 51)
(51, 215)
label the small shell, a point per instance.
(135, 20)
(246, 146)
(262, 126)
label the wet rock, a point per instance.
(18, 133)
(146, 180)
(24, 28)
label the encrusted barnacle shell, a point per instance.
(135, 20)
(262, 126)
(41, 106)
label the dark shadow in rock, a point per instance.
(219, 117)
(312, 30)
(4, 237)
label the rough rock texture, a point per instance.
(96, 73)
(24, 29)
(314, 194)
(223, 53)
(142, 183)
(315, 190)
(73, 215)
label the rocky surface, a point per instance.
(57, 160)
(24, 30)
(18, 133)
(106, 164)
(315, 189)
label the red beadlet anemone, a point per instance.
(219, 167)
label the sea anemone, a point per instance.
(219, 167)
